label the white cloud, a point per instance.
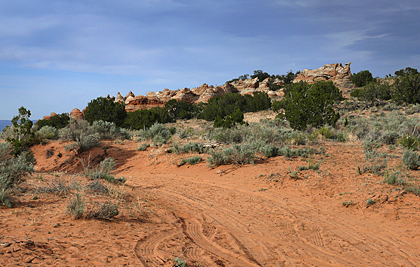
(347, 38)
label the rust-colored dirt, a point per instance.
(251, 215)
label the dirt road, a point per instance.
(251, 215)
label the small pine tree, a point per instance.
(362, 78)
(307, 104)
(106, 110)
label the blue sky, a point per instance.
(59, 55)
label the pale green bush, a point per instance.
(48, 132)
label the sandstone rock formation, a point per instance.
(77, 114)
(119, 98)
(143, 102)
(331, 72)
(46, 117)
(197, 95)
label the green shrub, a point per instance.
(409, 142)
(188, 148)
(327, 132)
(106, 110)
(24, 137)
(106, 130)
(85, 142)
(48, 132)
(342, 136)
(103, 172)
(143, 147)
(229, 104)
(269, 151)
(411, 159)
(158, 133)
(182, 110)
(58, 121)
(105, 211)
(370, 202)
(390, 138)
(313, 104)
(237, 117)
(184, 133)
(362, 78)
(289, 153)
(406, 72)
(393, 177)
(194, 160)
(76, 206)
(5, 199)
(238, 154)
(372, 92)
(13, 171)
(145, 118)
(412, 109)
(407, 89)
(276, 106)
(232, 135)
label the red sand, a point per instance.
(251, 215)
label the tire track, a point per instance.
(231, 213)
(193, 230)
(268, 234)
(146, 248)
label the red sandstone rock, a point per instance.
(77, 114)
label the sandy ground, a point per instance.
(251, 215)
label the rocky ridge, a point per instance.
(335, 72)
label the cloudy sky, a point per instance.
(59, 55)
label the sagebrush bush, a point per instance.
(300, 152)
(238, 154)
(184, 133)
(74, 129)
(390, 138)
(13, 171)
(269, 151)
(393, 177)
(48, 132)
(143, 147)
(105, 211)
(103, 172)
(194, 160)
(159, 133)
(85, 142)
(97, 186)
(411, 159)
(188, 148)
(76, 206)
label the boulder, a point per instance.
(186, 95)
(335, 72)
(129, 94)
(143, 102)
(77, 114)
(46, 117)
(119, 98)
